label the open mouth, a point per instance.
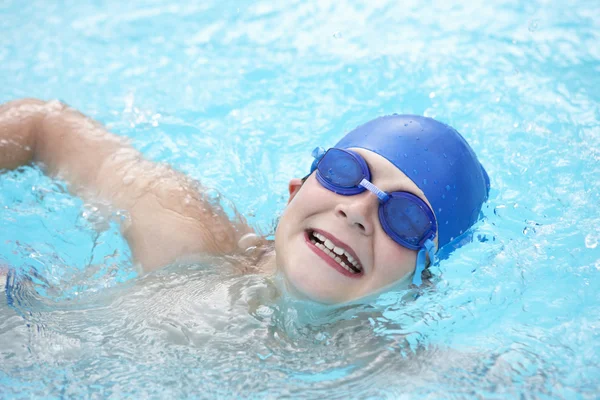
(338, 254)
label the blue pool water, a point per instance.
(236, 94)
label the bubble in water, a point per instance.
(337, 35)
(591, 241)
(533, 25)
(264, 311)
(122, 217)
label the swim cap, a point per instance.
(437, 159)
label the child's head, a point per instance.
(428, 190)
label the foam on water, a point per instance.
(236, 94)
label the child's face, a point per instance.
(350, 222)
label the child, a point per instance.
(371, 213)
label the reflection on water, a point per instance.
(202, 325)
(209, 331)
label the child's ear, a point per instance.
(293, 187)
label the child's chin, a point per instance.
(306, 289)
(307, 278)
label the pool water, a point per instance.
(236, 94)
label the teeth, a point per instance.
(334, 252)
(347, 268)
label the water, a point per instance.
(237, 94)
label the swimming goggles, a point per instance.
(406, 218)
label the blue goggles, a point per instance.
(404, 217)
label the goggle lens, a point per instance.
(340, 169)
(405, 219)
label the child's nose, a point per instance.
(360, 211)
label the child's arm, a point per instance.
(170, 217)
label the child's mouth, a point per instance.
(337, 253)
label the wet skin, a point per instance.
(352, 224)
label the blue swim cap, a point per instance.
(437, 159)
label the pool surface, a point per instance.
(237, 94)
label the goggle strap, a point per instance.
(427, 249)
(383, 196)
(317, 153)
(430, 247)
(421, 258)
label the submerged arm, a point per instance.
(170, 216)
